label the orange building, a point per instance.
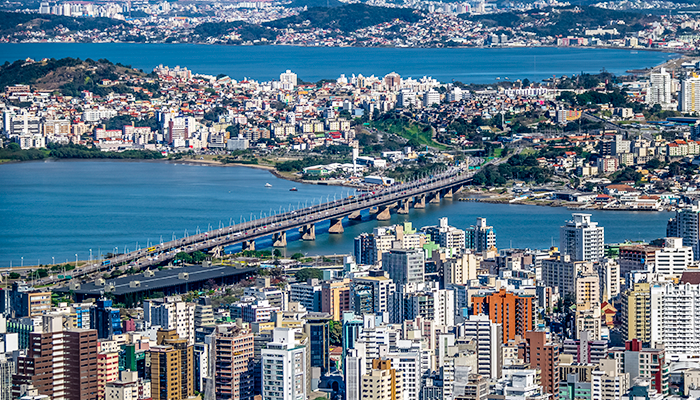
(335, 298)
(514, 312)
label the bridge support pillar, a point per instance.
(447, 194)
(248, 245)
(279, 239)
(356, 215)
(403, 207)
(308, 232)
(216, 251)
(457, 189)
(336, 225)
(436, 197)
(385, 214)
(373, 210)
(419, 201)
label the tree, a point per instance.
(336, 333)
(654, 163)
(198, 256)
(297, 256)
(305, 274)
(14, 275)
(277, 253)
(184, 257)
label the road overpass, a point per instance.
(381, 203)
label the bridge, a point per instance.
(381, 203)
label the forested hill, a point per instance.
(11, 22)
(347, 18)
(70, 76)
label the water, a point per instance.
(469, 65)
(62, 208)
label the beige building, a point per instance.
(607, 383)
(382, 382)
(172, 367)
(636, 318)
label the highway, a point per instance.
(294, 219)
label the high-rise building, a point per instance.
(480, 237)
(587, 290)
(660, 89)
(582, 239)
(105, 319)
(317, 328)
(171, 313)
(128, 387)
(335, 298)
(392, 81)
(586, 349)
(431, 97)
(689, 97)
(636, 315)
(573, 389)
(172, 367)
(675, 322)
(404, 266)
(233, 350)
(289, 77)
(445, 235)
(643, 362)
(686, 225)
(284, 368)
(7, 369)
(436, 305)
(308, 294)
(376, 294)
(60, 364)
(542, 353)
(382, 382)
(513, 311)
(673, 258)
(561, 271)
(107, 371)
(608, 383)
(489, 340)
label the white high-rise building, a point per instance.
(675, 318)
(689, 98)
(582, 239)
(171, 313)
(446, 236)
(454, 95)
(607, 383)
(284, 369)
(480, 237)
(288, 80)
(489, 338)
(686, 225)
(355, 367)
(660, 88)
(673, 258)
(431, 97)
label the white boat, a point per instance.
(268, 185)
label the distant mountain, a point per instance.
(564, 21)
(11, 22)
(314, 3)
(347, 18)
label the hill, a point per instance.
(346, 18)
(564, 21)
(314, 3)
(11, 22)
(69, 76)
(247, 32)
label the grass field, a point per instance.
(409, 130)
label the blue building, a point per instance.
(105, 319)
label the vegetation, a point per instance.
(246, 31)
(346, 18)
(79, 151)
(12, 23)
(305, 274)
(418, 135)
(564, 21)
(519, 166)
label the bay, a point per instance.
(62, 208)
(469, 65)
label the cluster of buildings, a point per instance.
(433, 313)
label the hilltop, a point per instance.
(69, 76)
(12, 23)
(346, 18)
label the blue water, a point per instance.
(314, 63)
(62, 208)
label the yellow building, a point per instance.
(172, 367)
(636, 318)
(382, 382)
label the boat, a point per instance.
(268, 185)
(293, 189)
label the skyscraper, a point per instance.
(172, 367)
(582, 239)
(686, 225)
(404, 266)
(689, 98)
(513, 311)
(317, 328)
(660, 88)
(636, 318)
(541, 352)
(233, 363)
(382, 382)
(284, 367)
(480, 237)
